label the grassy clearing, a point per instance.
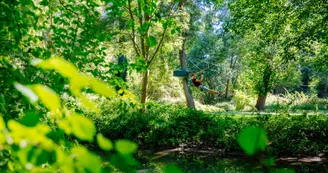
(242, 103)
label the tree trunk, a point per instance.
(260, 104)
(305, 79)
(232, 68)
(145, 53)
(235, 82)
(189, 99)
(144, 90)
(264, 89)
(325, 88)
(183, 64)
(227, 89)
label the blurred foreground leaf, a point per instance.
(252, 139)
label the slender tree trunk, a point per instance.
(183, 63)
(144, 52)
(183, 59)
(227, 89)
(144, 90)
(260, 104)
(235, 82)
(189, 99)
(141, 48)
(232, 68)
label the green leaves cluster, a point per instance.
(77, 81)
(31, 29)
(39, 147)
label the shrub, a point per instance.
(241, 100)
(165, 126)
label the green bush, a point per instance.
(165, 126)
(241, 100)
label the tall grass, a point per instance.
(296, 102)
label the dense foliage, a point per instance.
(96, 73)
(178, 126)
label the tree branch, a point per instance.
(142, 40)
(61, 3)
(147, 19)
(158, 46)
(133, 30)
(129, 9)
(135, 45)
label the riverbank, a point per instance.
(195, 161)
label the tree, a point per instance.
(183, 56)
(148, 22)
(183, 64)
(308, 40)
(318, 62)
(270, 28)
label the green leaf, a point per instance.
(125, 163)
(41, 156)
(173, 31)
(145, 26)
(104, 143)
(2, 123)
(87, 159)
(44, 2)
(47, 54)
(102, 88)
(284, 170)
(47, 96)
(82, 127)
(172, 168)
(252, 139)
(27, 92)
(66, 126)
(125, 146)
(30, 119)
(269, 161)
(151, 41)
(164, 24)
(62, 66)
(88, 104)
(77, 83)
(178, 29)
(2, 99)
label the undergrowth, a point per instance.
(165, 126)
